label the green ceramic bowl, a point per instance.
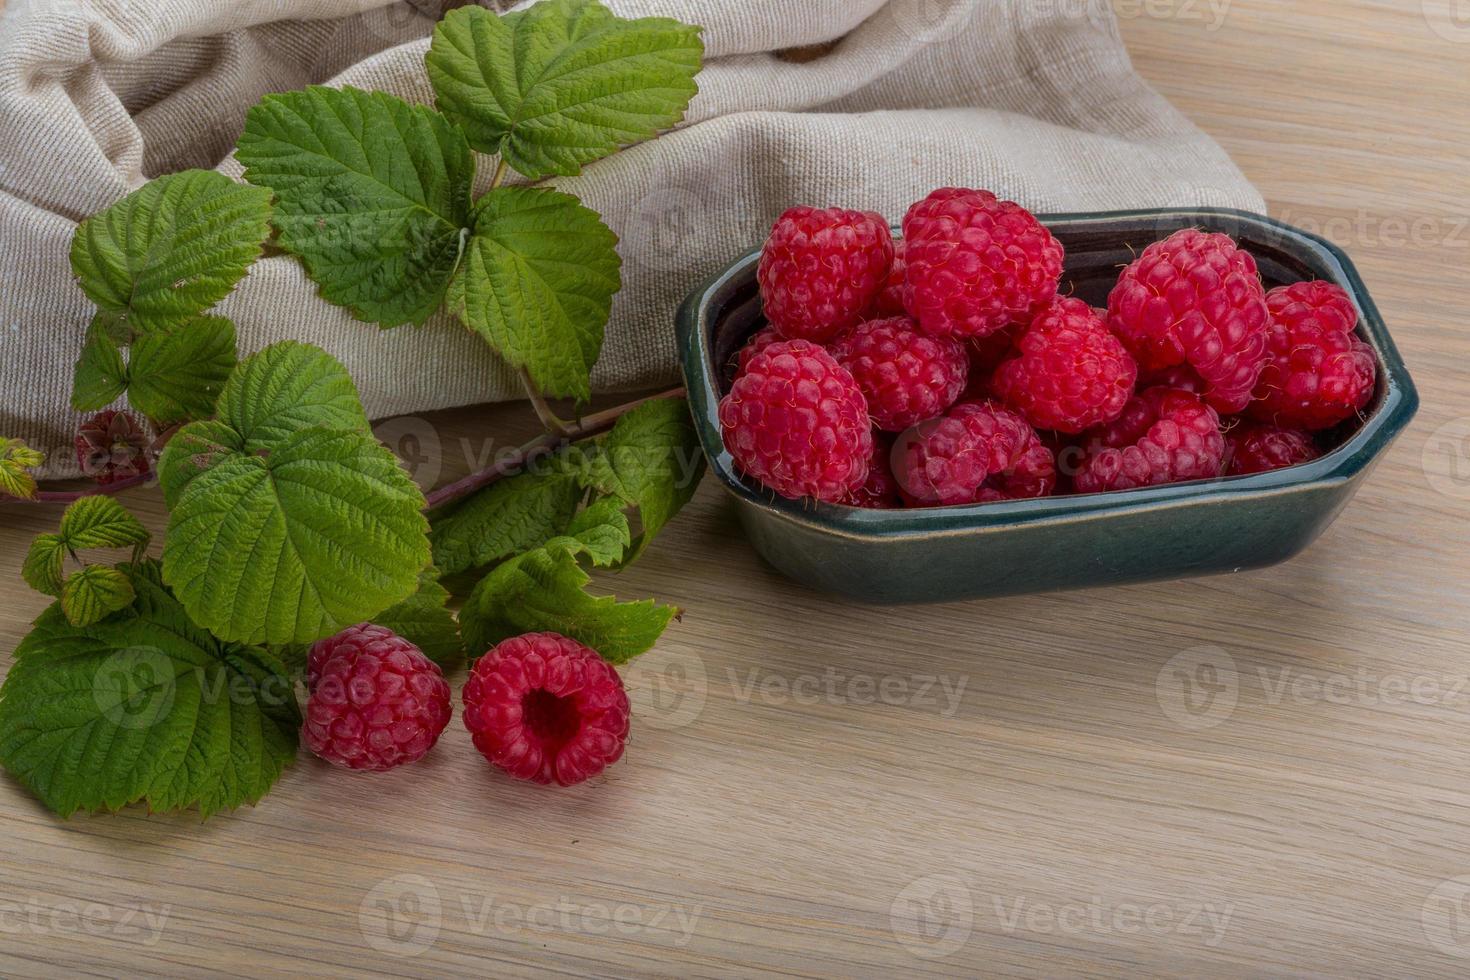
(938, 554)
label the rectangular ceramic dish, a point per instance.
(1197, 528)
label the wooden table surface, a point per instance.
(1037, 785)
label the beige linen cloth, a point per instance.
(1034, 99)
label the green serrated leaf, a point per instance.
(650, 460)
(563, 83)
(101, 522)
(171, 249)
(94, 593)
(544, 589)
(373, 195)
(15, 459)
(603, 531)
(144, 707)
(42, 567)
(537, 282)
(193, 449)
(321, 531)
(177, 373)
(101, 376)
(425, 620)
(287, 387)
(504, 519)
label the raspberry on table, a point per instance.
(976, 264)
(880, 490)
(1195, 298)
(112, 446)
(1165, 435)
(820, 270)
(546, 708)
(976, 453)
(905, 376)
(1069, 373)
(1317, 372)
(376, 701)
(1255, 447)
(796, 421)
(889, 301)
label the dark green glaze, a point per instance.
(938, 554)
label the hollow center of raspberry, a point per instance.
(551, 718)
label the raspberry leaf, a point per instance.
(15, 459)
(563, 83)
(193, 450)
(372, 194)
(424, 620)
(177, 373)
(537, 282)
(505, 519)
(286, 387)
(545, 589)
(93, 593)
(650, 460)
(101, 522)
(602, 531)
(144, 707)
(42, 567)
(101, 376)
(171, 249)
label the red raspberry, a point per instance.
(546, 708)
(1318, 372)
(759, 341)
(1178, 376)
(1258, 447)
(112, 446)
(376, 701)
(1071, 373)
(1165, 435)
(976, 264)
(889, 301)
(820, 270)
(880, 490)
(796, 421)
(905, 376)
(1195, 298)
(976, 453)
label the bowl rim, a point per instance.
(1400, 402)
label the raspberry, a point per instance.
(1165, 435)
(546, 708)
(796, 421)
(759, 341)
(976, 453)
(905, 376)
(1071, 373)
(880, 490)
(1317, 373)
(976, 264)
(820, 270)
(1195, 298)
(1178, 376)
(376, 701)
(889, 301)
(1258, 447)
(112, 446)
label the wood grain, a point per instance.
(817, 788)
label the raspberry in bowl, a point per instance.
(1215, 416)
